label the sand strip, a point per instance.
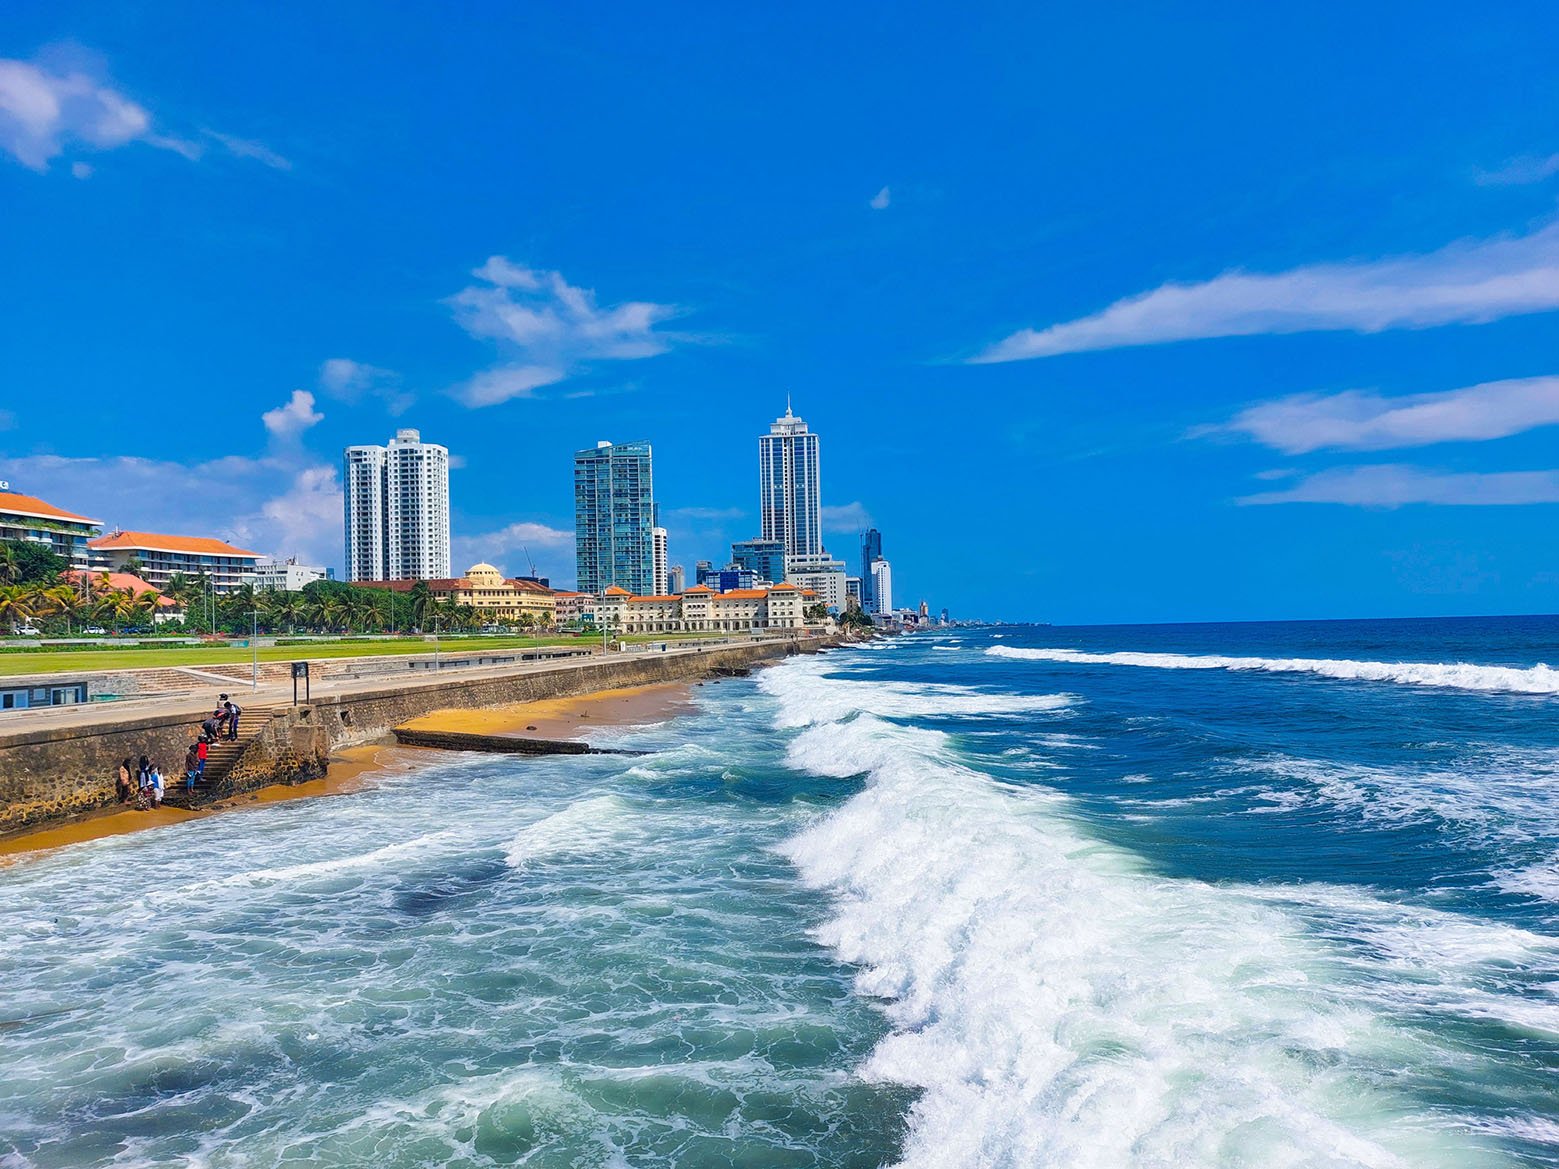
(567, 718)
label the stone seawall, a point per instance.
(50, 775)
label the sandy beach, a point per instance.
(353, 769)
(567, 718)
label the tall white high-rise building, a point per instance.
(397, 510)
(882, 587)
(660, 568)
(790, 500)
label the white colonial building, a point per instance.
(702, 610)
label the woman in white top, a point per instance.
(156, 786)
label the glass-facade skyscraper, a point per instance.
(765, 557)
(790, 500)
(614, 518)
(871, 550)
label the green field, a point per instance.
(85, 661)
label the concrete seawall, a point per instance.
(52, 774)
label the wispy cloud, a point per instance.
(7, 420)
(1391, 486)
(1364, 421)
(508, 549)
(249, 148)
(1521, 171)
(880, 201)
(849, 517)
(548, 330)
(352, 381)
(1468, 282)
(706, 514)
(50, 105)
(293, 417)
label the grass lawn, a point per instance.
(84, 661)
(91, 660)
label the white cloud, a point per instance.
(1521, 171)
(46, 107)
(547, 329)
(1397, 486)
(352, 381)
(880, 201)
(272, 505)
(551, 548)
(705, 514)
(248, 148)
(850, 517)
(292, 418)
(1468, 282)
(1359, 420)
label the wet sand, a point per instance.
(351, 769)
(355, 768)
(567, 718)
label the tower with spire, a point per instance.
(789, 493)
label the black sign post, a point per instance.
(300, 670)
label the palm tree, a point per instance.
(9, 570)
(66, 601)
(19, 604)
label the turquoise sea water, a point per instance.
(1255, 895)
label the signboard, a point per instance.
(300, 670)
(5, 485)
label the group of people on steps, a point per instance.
(143, 785)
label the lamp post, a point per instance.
(254, 644)
(436, 666)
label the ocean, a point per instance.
(1269, 895)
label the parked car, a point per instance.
(29, 631)
(94, 631)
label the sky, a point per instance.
(1104, 313)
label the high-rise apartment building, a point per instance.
(661, 566)
(871, 549)
(882, 587)
(790, 500)
(614, 518)
(397, 510)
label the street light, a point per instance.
(254, 644)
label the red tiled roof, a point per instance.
(157, 542)
(616, 591)
(743, 595)
(698, 589)
(15, 503)
(673, 597)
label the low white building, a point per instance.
(820, 574)
(282, 576)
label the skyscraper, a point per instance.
(614, 518)
(397, 510)
(790, 500)
(871, 549)
(659, 572)
(765, 557)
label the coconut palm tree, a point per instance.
(19, 604)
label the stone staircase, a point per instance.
(223, 755)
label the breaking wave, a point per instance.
(1056, 1003)
(1538, 679)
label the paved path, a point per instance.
(195, 704)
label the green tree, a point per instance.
(24, 562)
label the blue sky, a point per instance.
(1123, 313)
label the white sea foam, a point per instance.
(843, 697)
(1059, 1005)
(1538, 679)
(590, 825)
